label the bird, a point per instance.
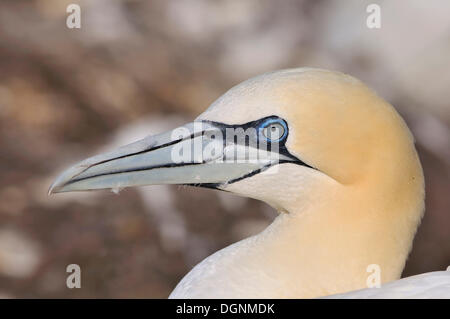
(333, 158)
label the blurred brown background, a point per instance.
(141, 67)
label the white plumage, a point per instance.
(429, 285)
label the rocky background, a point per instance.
(140, 67)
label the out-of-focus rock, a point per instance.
(19, 256)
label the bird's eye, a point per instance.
(274, 130)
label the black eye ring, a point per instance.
(273, 126)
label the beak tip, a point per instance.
(65, 177)
(53, 189)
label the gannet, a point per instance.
(334, 159)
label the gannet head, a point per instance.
(290, 138)
(349, 141)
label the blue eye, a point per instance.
(273, 130)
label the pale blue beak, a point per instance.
(180, 156)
